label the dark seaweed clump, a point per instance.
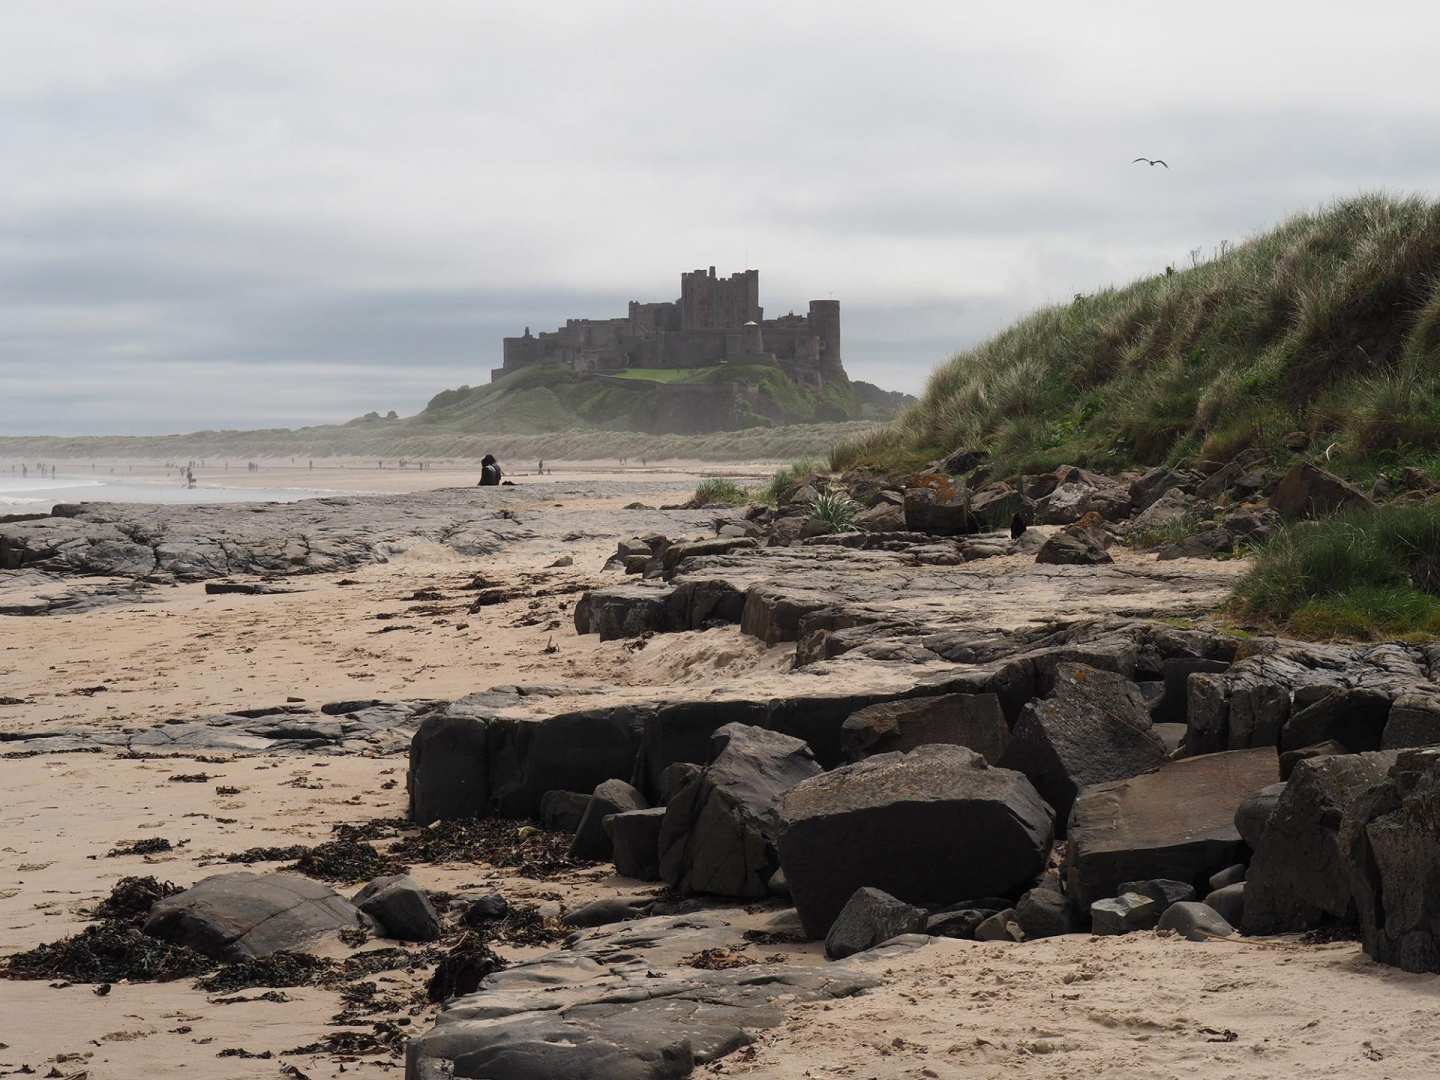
(114, 947)
(346, 860)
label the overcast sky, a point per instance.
(239, 213)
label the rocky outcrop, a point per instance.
(1308, 491)
(1176, 822)
(1414, 720)
(610, 797)
(934, 825)
(1297, 879)
(970, 720)
(1390, 843)
(718, 834)
(204, 542)
(635, 842)
(1296, 694)
(1254, 813)
(939, 513)
(1094, 727)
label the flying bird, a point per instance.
(1152, 162)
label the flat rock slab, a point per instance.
(204, 542)
(242, 915)
(1177, 822)
(34, 592)
(620, 1003)
(775, 593)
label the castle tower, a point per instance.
(711, 303)
(825, 324)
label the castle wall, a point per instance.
(715, 320)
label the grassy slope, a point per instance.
(1329, 324)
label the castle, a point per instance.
(715, 321)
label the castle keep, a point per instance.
(716, 321)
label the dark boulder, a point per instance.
(937, 822)
(449, 769)
(635, 837)
(1229, 902)
(1177, 822)
(970, 720)
(1205, 544)
(1195, 921)
(996, 504)
(1297, 878)
(1254, 813)
(1000, 927)
(1123, 914)
(401, 907)
(1094, 727)
(241, 915)
(610, 797)
(1162, 890)
(1231, 875)
(1307, 491)
(1073, 547)
(959, 922)
(1044, 912)
(1290, 758)
(939, 515)
(1353, 716)
(1414, 721)
(869, 918)
(1390, 841)
(1146, 489)
(562, 811)
(676, 775)
(718, 834)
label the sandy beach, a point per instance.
(405, 629)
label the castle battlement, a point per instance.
(716, 320)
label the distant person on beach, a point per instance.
(541, 467)
(490, 474)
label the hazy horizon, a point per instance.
(267, 216)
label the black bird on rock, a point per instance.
(1152, 162)
(1017, 527)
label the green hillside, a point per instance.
(552, 398)
(1327, 325)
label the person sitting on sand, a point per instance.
(490, 473)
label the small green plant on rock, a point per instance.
(836, 508)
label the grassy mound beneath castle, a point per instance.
(553, 398)
(1327, 325)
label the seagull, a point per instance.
(1152, 162)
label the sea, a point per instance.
(37, 495)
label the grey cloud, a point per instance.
(203, 206)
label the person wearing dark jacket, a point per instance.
(490, 474)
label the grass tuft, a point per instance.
(717, 490)
(788, 480)
(1365, 573)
